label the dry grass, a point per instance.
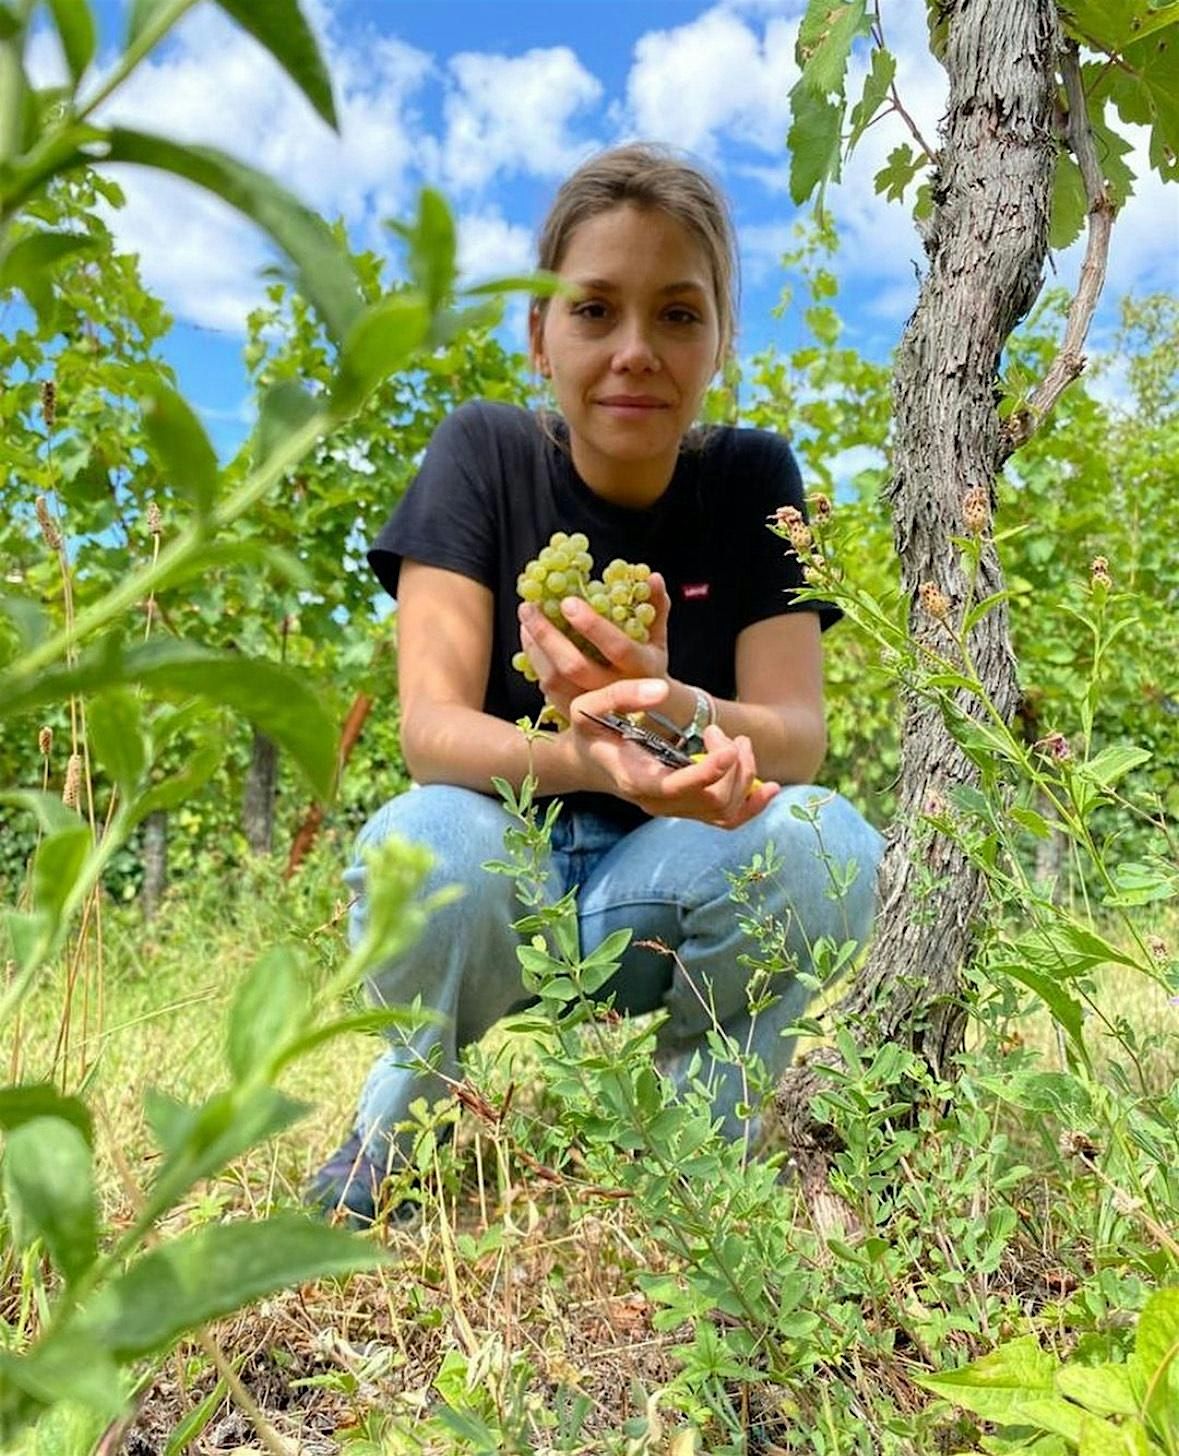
(536, 1290)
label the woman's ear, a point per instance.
(536, 340)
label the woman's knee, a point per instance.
(462, 829)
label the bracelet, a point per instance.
(690, 739)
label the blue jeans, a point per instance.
(667, 880)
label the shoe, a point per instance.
(348, 1188)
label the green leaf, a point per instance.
(381, 1018)
(49, 1186)
(28, 619)
(902, 166)
(58, 865)
(51, 814)
(199, 1141)
(22, 1103)
(1153, 76)
(181, 446)
(433, 245)
(1142, 884)
(30, 262)
(813, 142)
(325, 275)
(277, 699)
(200, 766)
(9, 24)
(146, 12)
(213, 1271)
(825, 39)
(66, 1367)
(1033, 821)
(1070, 205)
(31, 936)
(1156, 1348)
(195, 1422)
(75, 25)
(279, 26)
(1103, 1389)
(379, 343)
(1065, 1011)
(995, 1385)
(114, 723)
(268, 1011)
(877, 84)
(285, 408)
(1103, 1438)
(1113, 763)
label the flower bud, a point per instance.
(976, 510)
(1056, 746)
(73, 781)
(48, 525)
(45, 741)
(934, 600)
(1099, 577)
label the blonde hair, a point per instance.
(657, 179)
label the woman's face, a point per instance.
(631, 353)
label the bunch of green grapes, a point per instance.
(564, 568)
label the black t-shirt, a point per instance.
(493, 487)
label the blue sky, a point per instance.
(494, 101)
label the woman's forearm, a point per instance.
(453, 744)
(789, 742)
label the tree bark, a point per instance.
(987, 241)
(259, 796)
(155, 862)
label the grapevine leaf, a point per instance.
(181, 445)
(275, 698)
(902, 166)
(280, 26)
(75, 26)
(1112, 25)
(325, 274)
(28, 1100)
(213, 1271)
(1069, 203)
(49, 1186)
(825, 40)
(29, 264)
(1146, 92)
(1112, 150)
(876, 87)
(813, 142)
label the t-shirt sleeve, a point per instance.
(447, 516)
(771, 480)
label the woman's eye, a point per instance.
(683, 316)
(589, 310)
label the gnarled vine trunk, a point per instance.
(259, 795)
(986, 242)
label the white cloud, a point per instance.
(711, 76)
(214, 85)
(490, 246)
(514, 114)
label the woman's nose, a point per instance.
(635, 350)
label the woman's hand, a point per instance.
(719, 788)
(564, 671)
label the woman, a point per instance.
(732, 668)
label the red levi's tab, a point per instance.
(695, 591)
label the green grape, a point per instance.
(564, 567)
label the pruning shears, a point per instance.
(649, 741)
